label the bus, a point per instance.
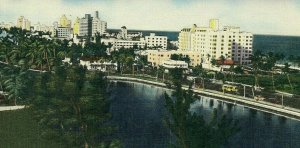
(227, 87)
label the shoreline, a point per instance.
(278, 110)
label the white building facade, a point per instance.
(63, 32)
(119, 43)
(156, 41)
(98, 26)
(213, 43)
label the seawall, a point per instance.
(230, 98)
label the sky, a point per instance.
(278, 17)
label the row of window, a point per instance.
(156, 38)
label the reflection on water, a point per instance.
(138, 110)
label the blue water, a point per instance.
(138, 110)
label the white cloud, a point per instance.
(271, 17)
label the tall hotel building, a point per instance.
(85, 26)
(23, 23)
(98, 26)
(89, 26)
(212, 42)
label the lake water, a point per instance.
(138, 110)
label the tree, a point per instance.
(213, 62)
(222, 59)
(286, 70)
(74, 108)
(256, 60)
(270, 64)
(192, 130)
(181, 57)
(14, 83)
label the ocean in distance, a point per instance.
(288, 45)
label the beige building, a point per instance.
(212, 42)
(76, 26)
(23, 23)
(157, 57)
(64, 22)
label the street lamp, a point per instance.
(282, 100)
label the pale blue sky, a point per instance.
(280, 17)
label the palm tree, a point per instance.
(5, 47)
(286, 70)
(270, 64)
(256, 61)
(14, 83)
(231, 70)
(222, 59)
(44, 53)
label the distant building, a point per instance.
(63, 32)
(41, 27)
(89, 26)
(156, 57)
(98, 26)
(64, 22)
(85, 26)
(212, 43)
(23, 23)
(6, 25)
(76, 26)
(119, 43)
(214, 24)
(174, 43)
(123, 33)
(156, 41)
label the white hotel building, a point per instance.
(119, 43)
(156, 41)
(212, 43)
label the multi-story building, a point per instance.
(85, 26)
(213, 43)
(64, 22)
(76, 26)
(23, 23)
(174, 64)
(41, 27)
(89, 26)
(63, 32)
(119, 43)
(123, 33)
(6, 25)
(98, 26)
(156, 41)
(156, 57)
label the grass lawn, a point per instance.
(19, 130)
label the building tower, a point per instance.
(76, 26)
(124, 32)
(64, 22)
(96, 14)
(85, 26)
(23, 23)
(214, 24)
(98, 26)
